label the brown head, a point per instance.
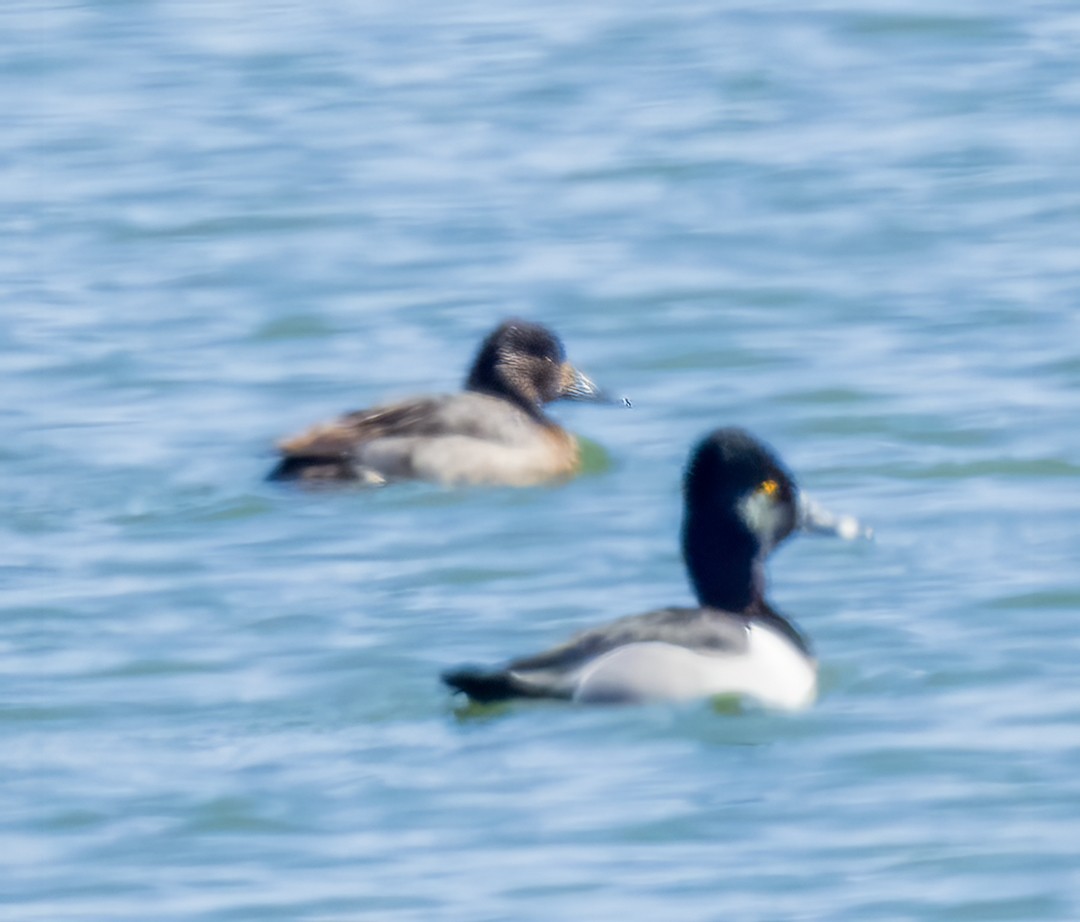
(525, 362)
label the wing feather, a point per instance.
(337, 438)
(694, 628)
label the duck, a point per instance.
(493, 432)
(740, 504)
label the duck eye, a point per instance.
(769, 487)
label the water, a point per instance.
(853, 228)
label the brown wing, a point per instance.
(336, 439)
(330, 450)
(324, 452)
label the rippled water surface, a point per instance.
(852, 227)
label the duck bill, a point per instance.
(578, 386)
(814, 517)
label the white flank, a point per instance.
(771, 671)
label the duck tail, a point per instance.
(299, 468)
(487, 687)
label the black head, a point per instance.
(526, 363)
(741, 502)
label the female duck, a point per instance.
(740, 504)
(494, 432)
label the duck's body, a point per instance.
(674, 654)
(493, 432)
(740, 503)
(456, 439)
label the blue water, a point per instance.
(851, 227)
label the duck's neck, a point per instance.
(486, 380)
(727, 568)
(725, 563)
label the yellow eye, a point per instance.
(769, 487)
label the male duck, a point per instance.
(494, 432)
(740, 504)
